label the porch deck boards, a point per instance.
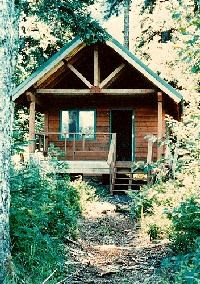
(86, 167)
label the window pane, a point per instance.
(75, 121)
(69, 122)
(86, 123)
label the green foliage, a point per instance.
(177, 59)
(86, 192)
(20, 129)
(113, 7)
(151, 203)
(154, 231)
(75, 16)
(141, 203)
(44, 210)
(188, 50)
(183, 268)
(55, 152)
(171, 207)
(47, 25)
(186, 225)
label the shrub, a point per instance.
(186, 225)
(141, 203)
(183, 268)
(157, 202)
(152, 202)
(44, 210)
(85, 191)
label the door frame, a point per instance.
(133, 128)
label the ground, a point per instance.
(111, 248)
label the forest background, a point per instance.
(165, 35)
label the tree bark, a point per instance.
(7, 62)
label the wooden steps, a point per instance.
(125, 178)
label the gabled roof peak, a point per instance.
(75, 45)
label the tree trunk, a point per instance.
(7, 43)
(126, 22)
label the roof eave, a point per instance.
(46, 67)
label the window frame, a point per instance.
(77, 137)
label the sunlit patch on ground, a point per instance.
(99, 209)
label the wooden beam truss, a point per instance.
(96, 67)
(112, 77)
(97, 86)
(79, 75)
(66, 92)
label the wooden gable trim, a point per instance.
(53, 62)
(51, 72)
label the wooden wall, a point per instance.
(100, 144)
(145, 123)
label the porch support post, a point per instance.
(96, 67)
(160, 122)
(31, 98)
(46, 130)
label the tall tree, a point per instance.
(126, 22)
(7, 42)
(114, 7)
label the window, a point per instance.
(78, 122)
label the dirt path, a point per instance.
(110, 248)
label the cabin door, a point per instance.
(122, 125)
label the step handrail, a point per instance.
(112, 161)
(112, 150)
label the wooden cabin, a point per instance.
(100, 104)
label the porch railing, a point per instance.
(75, 145)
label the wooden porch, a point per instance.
(83, 157)
(75, 146)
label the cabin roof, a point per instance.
(75, 45)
